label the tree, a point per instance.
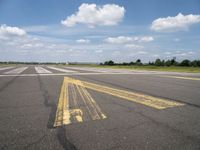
(131, 63)
(163, 63)
(198, 63)
(185, 62)
(151, 63)
(125, 63)
(138, 62)
(194, 63)
(173, 61)
(168, 63)
(110, 63)
(158, 62)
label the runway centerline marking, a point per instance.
(79, 107)
(158, 103)
(184, 78)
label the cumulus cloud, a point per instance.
(142, 52)
(11, 31)
(128, 39)
(83, 41)
(119, 40)
(156, 55)
(133, 46)
(92, 15)
(98, 51)
(176, 40)
(146, 39)
(167, 53)
(177, 23)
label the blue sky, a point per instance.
(95, 31)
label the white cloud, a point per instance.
(31, 45)
(11, 31)
(179, 53)
(119, 40)
(183, 54)
(167, 53)
(176, 40)
(127, 39)
(191, 52)
(98, 51)
(83, 41)
(116, 53)
(156, 55)
(142, 52)
(92, 15)
(133, 46)
(146, 39)
(177, 23)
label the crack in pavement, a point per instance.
(184, 134)
(61, 131)
(8, 83)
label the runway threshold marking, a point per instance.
(16, 71)
(185, 78)
(61, 70)
(41, 70)
(5, 68)
(75, 104)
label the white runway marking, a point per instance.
(61, 70)
(5, 68)
(16, 71)
(41, 70)
(88, 69)
(80, 74)
(103, 70)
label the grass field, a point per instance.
(151, 68)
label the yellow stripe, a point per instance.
(62, 113)
(97, 113)
(92, 107)
(185, 78)
(147, 100)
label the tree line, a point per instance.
(157, 62)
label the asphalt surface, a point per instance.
(29, 104)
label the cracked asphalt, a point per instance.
(28, 107)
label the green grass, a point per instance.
(150, 68)
(7, 65)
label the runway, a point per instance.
(57, 107)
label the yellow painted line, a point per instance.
(65, 115)
(77, 114)
(96, 112)
(62, 113)
(158, 103)
(185, 78)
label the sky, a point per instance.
(100, 30)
